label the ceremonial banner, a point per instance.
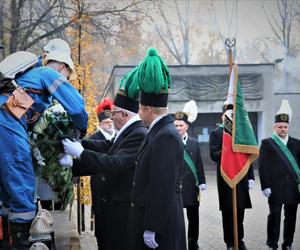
(239, 148)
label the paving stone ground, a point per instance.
(66, 235)
(210, 234)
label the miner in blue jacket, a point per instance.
(17, 178)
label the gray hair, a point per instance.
(159, 110)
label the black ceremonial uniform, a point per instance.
(190, 191)
(276, 172)
(117, 166)
(95, 189)
(97, 136)
(225, 192)
(156, 194)
(96, 179)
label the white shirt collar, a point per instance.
(127, 124)
(156, 121)
(107, 136)
(185, 138)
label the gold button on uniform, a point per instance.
(103, 178)
(133, 184)
(132, 204)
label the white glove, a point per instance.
(149, 239)
(202, 187)
(267, 192)
(250, 183)
(72, 148)
(66, 161)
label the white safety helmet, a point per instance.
(38, 246)
(57, 44)
(17, 63)
(59, 56)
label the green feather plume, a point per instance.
(153, 74)
(129, 84)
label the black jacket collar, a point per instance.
(161, 123)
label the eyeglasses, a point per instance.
(113, 112)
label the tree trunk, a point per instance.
(186, 40)
(15, 10)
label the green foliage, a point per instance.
(53, 126)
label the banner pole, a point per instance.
(230, 43)
(230, 61)
(235, 225)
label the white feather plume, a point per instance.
(285, 108)
(190, 108)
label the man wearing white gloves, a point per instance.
(157, 220)
(193, 178)
(115, 161)
(279, 174)
(66, 160)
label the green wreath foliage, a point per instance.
(45, 140)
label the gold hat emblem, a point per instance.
(107, 113)
(284, 117)
(179, 115)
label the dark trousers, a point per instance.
(97, 229)
(193, 226)
(227, 219)
(111, 225)
(273, 225)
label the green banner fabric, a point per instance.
(239, 146)
(243, 135)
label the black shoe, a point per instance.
(243, 247)
(288, 248)
(240, 248)
(194, 247)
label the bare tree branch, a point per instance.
(54, 31)
(273, 28)
(36, 23)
